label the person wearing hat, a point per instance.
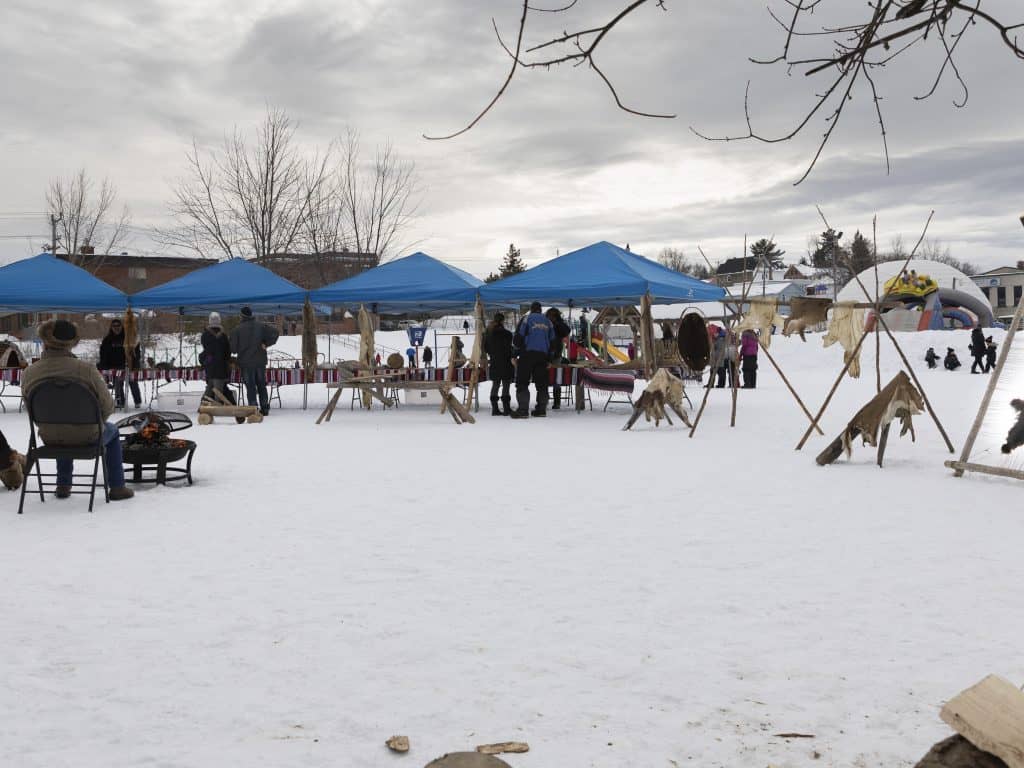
(59, 337)
(498, 346)
(216, 359)
(249, 341)
(990, 354)
(950, 362)
(113, 357)
(533, 340)
(977, 348)
(930, 357)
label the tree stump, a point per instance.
(468, 760)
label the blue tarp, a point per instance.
(413, 284)
(601, 274)
(228, 285)
(45, 283)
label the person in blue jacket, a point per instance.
(533, 341)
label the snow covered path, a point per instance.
(614, 599)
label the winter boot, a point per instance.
(120, 494)
(506, 406)
(521, 413)
(538, 412)
(494, 408)
(63, 492)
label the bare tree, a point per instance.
(265, 197)
(249, 198)
(676, 260)
(87, 218)
(851, 51)
(379, 200)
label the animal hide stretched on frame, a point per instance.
(804, 312)
(761, 316)
(899, 399)
(692, 341)
(846, 327)
(664, 389)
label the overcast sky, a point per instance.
(121, 88)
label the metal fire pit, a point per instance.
(150, 462)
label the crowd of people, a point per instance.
(729, 358)
(982, 348)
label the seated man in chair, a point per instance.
(59, 337)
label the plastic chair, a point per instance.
(65, 403)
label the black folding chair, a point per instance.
(65, 403)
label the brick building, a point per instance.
(315, 270)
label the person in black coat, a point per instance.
(562, 331)
(428, 357)
(112, 358)
(950, 362)
(990, 354)
(978, 350)
(498, 346)
(930, 357)
(216, 358)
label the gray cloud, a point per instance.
(554, 166)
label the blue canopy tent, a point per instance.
(600, 275)
(227, 285)
(45, 283)
(413, 284)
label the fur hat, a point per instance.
(246, 312)
(214, 320)
(58, 334)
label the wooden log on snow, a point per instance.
(958, 752)
(990, 715)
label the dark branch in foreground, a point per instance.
(850, 55)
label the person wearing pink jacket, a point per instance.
(748, 356)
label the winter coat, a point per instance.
(498, 346)
(216, 354)
(951, 362)
(61, 364)
(978, 342)
(718, 351)
(112, 353)
(428, 355)
(562, 331)
(535, 334)
(748, 345)
(930, 357)
(990, 354)
(249, 340)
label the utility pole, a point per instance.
(54, 221)
(833, 242)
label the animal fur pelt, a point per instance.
(846, 327)
(13, 475)
(1015, 437)
(899, 399)
(663, 389)
(761, 316)
(805, 311)
(692, 341)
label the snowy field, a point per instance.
(613, 598)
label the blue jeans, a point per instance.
(255, 380)
(111, 458)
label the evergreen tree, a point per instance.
(767, 255)
(860, 253)
(828, 244)
(512, 264)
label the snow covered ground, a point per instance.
(614, 599)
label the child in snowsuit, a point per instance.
(990, 354)
(930, 357)
(950, 362)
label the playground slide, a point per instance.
(614, 351)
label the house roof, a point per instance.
(736, 265)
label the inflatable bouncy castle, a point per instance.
(933, 296)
